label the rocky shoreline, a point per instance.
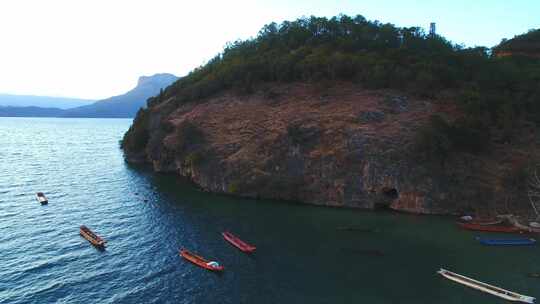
(343, 146)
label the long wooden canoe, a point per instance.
(493, 290)
(491, 228)
(238, 243)
(41, 198)
(90, 236)
(200, 261)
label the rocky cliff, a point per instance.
(340, 146)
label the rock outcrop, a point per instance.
(342, 146)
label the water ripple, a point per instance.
(147, 217)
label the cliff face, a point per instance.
(340, 146)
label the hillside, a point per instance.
(125, 105)
(350, 112)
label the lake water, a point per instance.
(146, 218)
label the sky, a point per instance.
(97, 49)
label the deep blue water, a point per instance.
(301, 257)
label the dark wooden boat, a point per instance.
(491, 228)
(238, 243)
(506, 242)
(41, 198)
(200, 261)
(93, 238)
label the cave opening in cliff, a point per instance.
(386, 197)
(390, 193)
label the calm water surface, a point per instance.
(301, 257)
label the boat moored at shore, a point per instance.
(484, 287)
(491, 228)
(506, 242)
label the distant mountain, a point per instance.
(128, 104)
(121, 106)
(30, 112)
(42, 101)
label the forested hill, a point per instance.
(351, 112)
(525, 44)
(490, 92)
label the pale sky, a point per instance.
(97, 49)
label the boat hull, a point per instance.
(490, 289)
(238, 243)
(507, 242)
(199, 261)
(490, 228)
(41, 198)
(91, 237)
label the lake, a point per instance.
(301, 255)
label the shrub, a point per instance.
(194, 158)
(136, 138)
(233, 187)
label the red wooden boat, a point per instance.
(200, 261)
(238, 243)
(490, 228)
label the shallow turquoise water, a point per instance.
(301, 257)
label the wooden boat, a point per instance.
(200, 261)
(238, 243)
(93, 238)
(493, 290)
(507, 242)
(41, 198)
(479, 221)
(491, 228)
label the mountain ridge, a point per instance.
(127, 104)
(13, 100)
(120, 106)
